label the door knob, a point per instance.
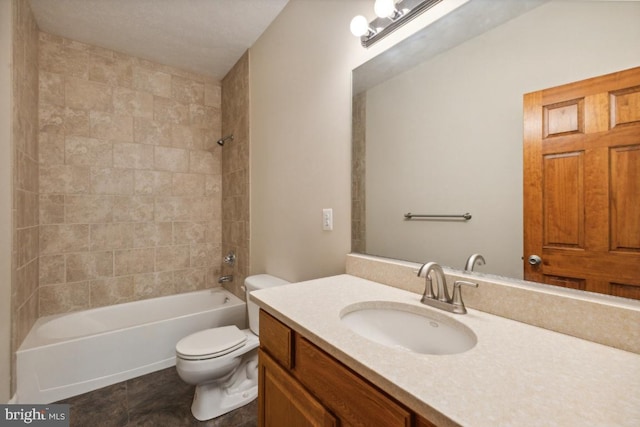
(534, 260)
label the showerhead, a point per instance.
(221, 141)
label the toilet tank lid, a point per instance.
(263, 281)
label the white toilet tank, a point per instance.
(254, 283)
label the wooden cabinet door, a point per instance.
(354, 401)
(582, 184)
(283, 402)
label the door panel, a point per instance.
(582, 184)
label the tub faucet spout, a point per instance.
(225, 279)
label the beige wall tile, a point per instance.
(111, 126)
(52, 269)
(88, 151)
(76, 122)
(213, 233)
(132, 103)
(150, 234)
(204, 162)
(133, 209)
(133, 261)
(152, 81)
(172, 258)
(55, 58)
(116, 134)
(51, 88)
(187, 91)
(212, 95)
(133, 156)
(202, 209)
(86, 95)
(26, 245)
(152, 182)
(187, 137)
(148, 131)
(88, 209)
(26, 282)
(213, 186)
(89, 265)
(51, 148)
(21, 158)
(111, 291)
(114, 70)
(25, 316)
(27, 204)
(194, 279)
(170, 111)
(188, 184)
(189, 232)
(204, 255)
(186, 209)
(153, 285)
(171, 159)
(111, 181)
(51, 209)
(64, 179)
(57, 239)
(64, 298)
(26, 173)
(104, 237)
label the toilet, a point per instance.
(223, 362)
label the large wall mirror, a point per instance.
(444, 136)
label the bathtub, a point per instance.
(70, 354)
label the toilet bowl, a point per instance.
(223, 362)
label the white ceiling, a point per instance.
(205, 36)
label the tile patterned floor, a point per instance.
(157, 399)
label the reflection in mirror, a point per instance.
(445, 136)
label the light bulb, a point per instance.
(384, 8)
(359, 26)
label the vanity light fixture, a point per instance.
(391, 15)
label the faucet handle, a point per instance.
(458, 304)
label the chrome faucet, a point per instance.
(473, 260)
(440, 299)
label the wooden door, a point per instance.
(283, 401)
(582, 184)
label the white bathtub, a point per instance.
(70, 354)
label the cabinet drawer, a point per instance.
(276, 339)
(354, 401)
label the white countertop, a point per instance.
(516, 375)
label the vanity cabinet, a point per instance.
(301, 385)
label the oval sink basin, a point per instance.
(409, 328)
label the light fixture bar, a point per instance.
(385, 26)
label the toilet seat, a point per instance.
(211, 343)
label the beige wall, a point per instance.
(129, 194)
(457, 131)
(300, 74)
(235, 173)
(6, 168)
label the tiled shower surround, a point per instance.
(130, 178)
(235, 172)
(24, 286)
